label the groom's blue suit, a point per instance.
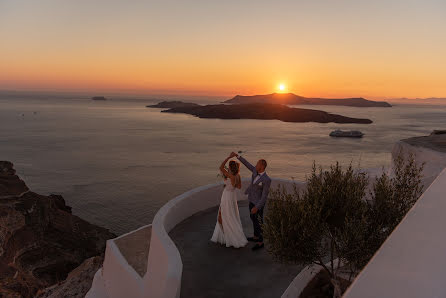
(257, 196)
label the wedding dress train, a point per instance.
(230, 232)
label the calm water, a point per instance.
(116, 162)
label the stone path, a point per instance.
(212, 270)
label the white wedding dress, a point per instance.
(230, 233)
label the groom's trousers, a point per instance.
(257, 221)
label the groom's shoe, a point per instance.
(258, 246)
(252, 239)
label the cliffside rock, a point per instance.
(435, 141)
(438, 132)
(40, 240)
(10, 183)
(78, 282)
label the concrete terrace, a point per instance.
(212, 270)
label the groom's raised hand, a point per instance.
(233, 154)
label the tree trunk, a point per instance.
(337, 293)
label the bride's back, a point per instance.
(237, 183)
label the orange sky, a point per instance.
(316, 48)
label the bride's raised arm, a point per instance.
(223, 170)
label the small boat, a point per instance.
(346, 133)
(98, 98)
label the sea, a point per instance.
(116, 162)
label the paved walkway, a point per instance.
(212, 270)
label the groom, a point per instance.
(257, 193)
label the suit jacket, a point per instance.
(257, 192)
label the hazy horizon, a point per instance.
(172, 96)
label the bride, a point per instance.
(228, 229)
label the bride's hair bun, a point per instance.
(234, 167)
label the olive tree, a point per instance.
(392, 197)
(332, 218)
(319, 223)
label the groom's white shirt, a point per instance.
(258, 177)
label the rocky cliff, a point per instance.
(41, 241)
(77, 283)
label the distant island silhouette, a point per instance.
(261, 111)
(293, 99)
(173, 104)
(98, 98)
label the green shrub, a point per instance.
(332, 219)
(392, 198)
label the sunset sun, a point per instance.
(282, 87)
